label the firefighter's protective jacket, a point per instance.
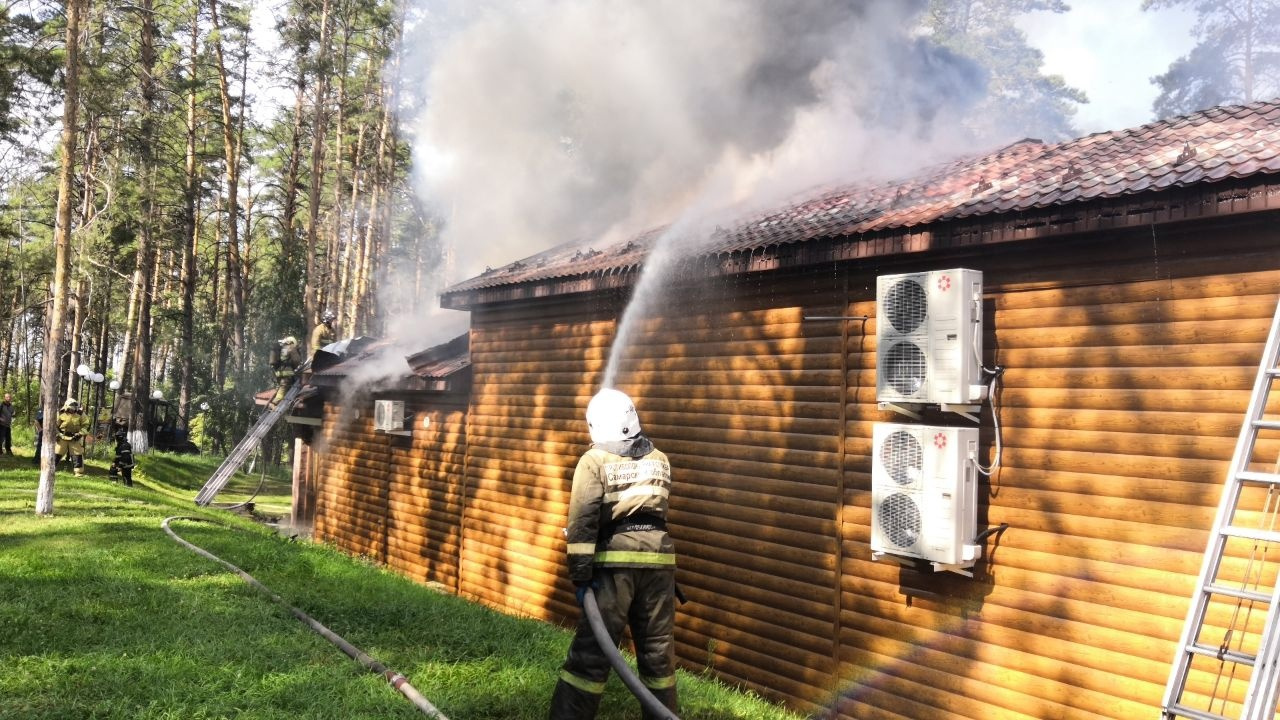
(618, 509)
(321, 335)
(71, 425)
(286, 365)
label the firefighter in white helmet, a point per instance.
(322, 334)
(618, 546)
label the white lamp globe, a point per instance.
(98, 377)
(114, 385)
(157, 395)
(83, 370)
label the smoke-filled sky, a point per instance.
(554, 120)
(1111, 50)
(542, 121)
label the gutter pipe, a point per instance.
(397, 681)
(651, 704)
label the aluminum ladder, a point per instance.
(1238, 586)
(241, 452)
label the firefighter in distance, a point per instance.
(618, 547)
(323, 333)
(71, 427)
(122, 464)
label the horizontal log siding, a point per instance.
(1121, 402)
(424, 531)
(396, 499)
(529, 387)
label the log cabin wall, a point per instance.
(394, 498)
(1128, 361)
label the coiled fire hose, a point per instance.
(397, 681)
(651, 704)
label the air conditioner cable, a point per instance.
(993, 389)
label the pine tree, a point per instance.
(1236, 58)
(1021, 100)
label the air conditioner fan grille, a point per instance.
(905, 368)
(900, 520)
(905, 305)
(902, 457)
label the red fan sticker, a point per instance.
(944, 283)
(940, 440)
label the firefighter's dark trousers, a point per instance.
(642, 599)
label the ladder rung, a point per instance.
(1270, 536)
(1238, 593)
(1273, 372)
(1258, 477)
(1227, 655)
(1267, 424)
(1176, 710)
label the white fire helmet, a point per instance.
(611, 416)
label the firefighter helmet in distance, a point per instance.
(611, 416)
(72, 404)
(287, 341)
(328, 316)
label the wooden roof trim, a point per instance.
(1172, 206)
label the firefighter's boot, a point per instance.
(668, 698)
(571, 703)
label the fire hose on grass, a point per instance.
(397, 681)
(651, 704)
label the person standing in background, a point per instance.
(71, 428)
(6, 425)
(39, 423)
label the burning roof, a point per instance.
(1027, 177)
(431, 369)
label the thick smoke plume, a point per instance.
(546, 121)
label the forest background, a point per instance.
(157, 231)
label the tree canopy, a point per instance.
(1236, 58)
(1021, 100)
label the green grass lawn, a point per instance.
(102, 615)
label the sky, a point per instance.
(554, 120)
(1110, 49)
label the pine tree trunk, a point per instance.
(289, 211)
(62, 263)
(231, 153)
(190, 233)
(319, 125)
(140, 380)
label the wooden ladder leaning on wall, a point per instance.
(1232, 631)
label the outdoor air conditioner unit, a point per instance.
(924, 494)
(929, 338)
(388, 415)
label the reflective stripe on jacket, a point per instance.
(608, 488)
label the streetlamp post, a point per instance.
(94, 381)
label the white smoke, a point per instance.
(546, 121)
